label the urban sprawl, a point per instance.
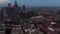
(41, 20)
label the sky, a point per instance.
(33, 3)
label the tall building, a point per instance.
(23, 7)
(1, 14)
(9, 9)
(15, 5)
(16, 15)
(13, 12)
(9, 5)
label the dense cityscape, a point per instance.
(41, 20)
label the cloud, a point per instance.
(3, 1)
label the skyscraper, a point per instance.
(23, 7)
(16, 4)
(16, 13)
(1, 14)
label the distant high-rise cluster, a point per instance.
(12, 13)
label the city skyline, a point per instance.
(33, 3)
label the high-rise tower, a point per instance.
(16, 15)
(23, 7)
(9, 5)
(15, 4)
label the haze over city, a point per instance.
(29, 16)
(31, 3)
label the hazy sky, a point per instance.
(37, 3)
